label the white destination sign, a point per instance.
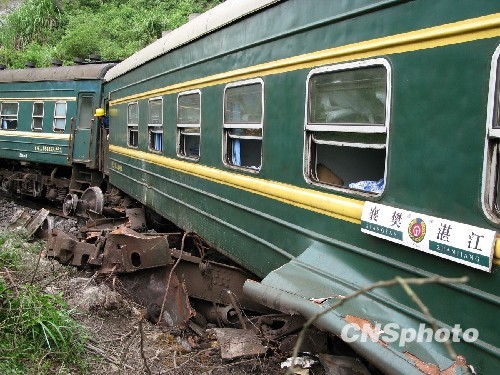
(447, 239)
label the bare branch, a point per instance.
(376, 285)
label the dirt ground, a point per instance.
(123, 342)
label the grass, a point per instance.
(37, 332)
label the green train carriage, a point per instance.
(325, 147)
(49, 136)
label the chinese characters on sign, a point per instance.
(454, 241)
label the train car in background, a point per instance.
(325, 146)
(50, 142)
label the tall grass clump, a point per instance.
(32, 22)
(37, 332)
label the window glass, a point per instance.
(9, 113)
(86, 112)
(243, 124)
(491, 195)
(37, 116)
(155, 126)
(355, 96)
(346, 126)
(243, 104)
(60, 116)
(188, 109)
(188, 125)
(133, 124)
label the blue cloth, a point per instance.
(236, 152)
(371, 186)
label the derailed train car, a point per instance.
(49, 135)
(325, 146)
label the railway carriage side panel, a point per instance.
(425, 76)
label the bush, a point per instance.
(64, 29)
(37, 332)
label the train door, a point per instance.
(104, 140)
(83, 131)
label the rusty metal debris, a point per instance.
(341, 365)
(36, 221)
(128, 251)
(66, 249)
(22, 219)
(19, 220)
(238, 343)
(148, 288)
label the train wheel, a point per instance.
(92, 199)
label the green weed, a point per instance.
(37, 332)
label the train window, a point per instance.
(243, 123)
(86, 112)
(60, 116)
(188, 125)
(155, 124)
(133, 124)
(347, 117)
(491, 189)
(9, 113)
(37, 122)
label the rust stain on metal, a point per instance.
(129, 251)
(366, 327)
(68, 250)
(147, 287)
(433, 369)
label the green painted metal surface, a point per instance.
(436, 146)
(46, 145)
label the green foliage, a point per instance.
(34, 21)
(12, 247)
(65, 29)
(37, 332)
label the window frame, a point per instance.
(14, 117)
(226, 127)
(345, 128)
(54, 128)
(491, 162)
(33, 116)
(180, 126)
(132, 126)
(153, 128)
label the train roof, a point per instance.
(59, 73)
(216, 18)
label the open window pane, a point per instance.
(9, 115)
(189, 125)
(155, 121)
(346, 126)
(60, 116)
(133, 136)
(133, 124)
(37, 123)
(492, 162)
(155, 138)
(243, 128)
